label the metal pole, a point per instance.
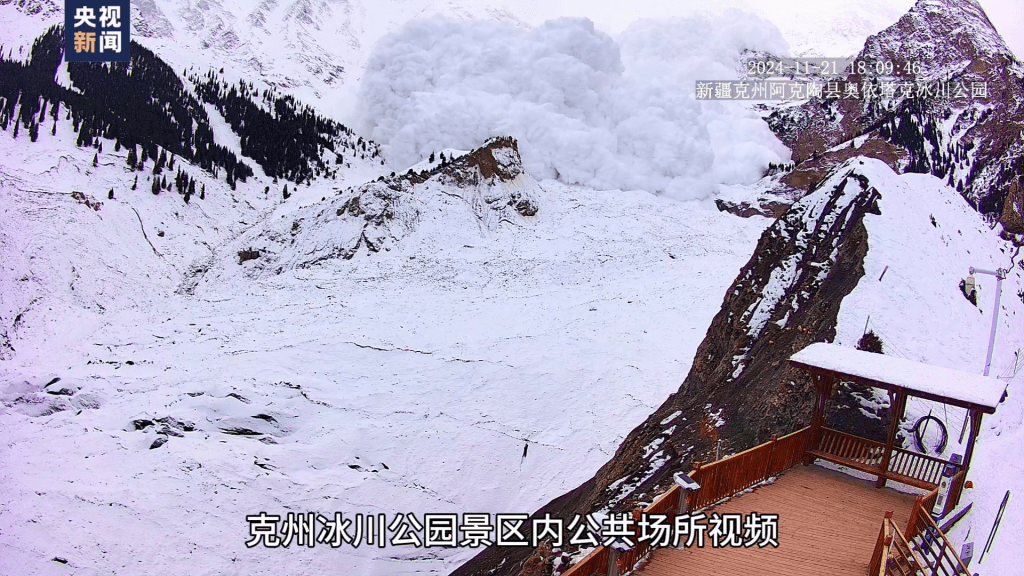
(999, 274)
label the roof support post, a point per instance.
(899, 405)
(971, 440)
(824, 386)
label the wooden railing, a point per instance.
(885, 536)
(730, 476)
(851, 450)
(718, 480)
(923, 504)
(930, 544)
(955, 490)
(893, 554)
(592, 564)
(919, 470)
(667, 503)
(921, 549)
(906, 466)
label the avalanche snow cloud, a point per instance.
(586, 109)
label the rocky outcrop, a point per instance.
(374, 217)
(740, 389)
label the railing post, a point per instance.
(824, 386)
(613, 561)
(687, 499)
(768, 460)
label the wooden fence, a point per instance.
(730, 476)
(592, 564)
(955, 490)
(893, 554)
(854, 451)
(908, 467)
(930, 544)
(718, 480)
(668, 504)
(597, 562)
(921, 549)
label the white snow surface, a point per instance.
(403, 381)
(975, 389)
(920, 314)
(441, 358)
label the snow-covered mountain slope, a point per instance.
(402, 380)
(858, 246)
(925, 241)
(972, 140)
(453, 200)
(919, 252)
(69, 251)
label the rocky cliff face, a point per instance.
(740, 389)
(974, 141)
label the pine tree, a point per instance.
(95, 159)
(158, 166)
(33, 131)
(202, 193)
(16, 125)
(110, 195)
(132, 159)
(135, 184)
(155, 188)
(431, 159)
(84, 138)
(286, 193)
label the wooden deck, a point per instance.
(828, 526)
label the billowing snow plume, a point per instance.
(585, 108)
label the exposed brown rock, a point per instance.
(746, 405)
(952, 41)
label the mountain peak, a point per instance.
(944, 36)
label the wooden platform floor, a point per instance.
(828, 525)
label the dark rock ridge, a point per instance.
(974, 143)
(741, 389)
(373, 217)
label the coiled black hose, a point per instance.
(920, 441)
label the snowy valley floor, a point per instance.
(408, 381)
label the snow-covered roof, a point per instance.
(925, 380)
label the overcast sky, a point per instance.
(831, 27)
(1007, 18)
